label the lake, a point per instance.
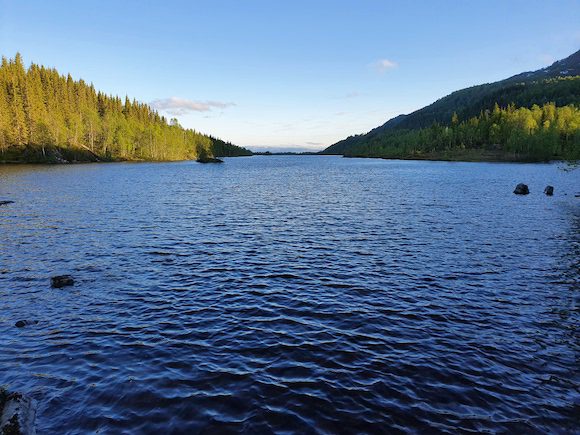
(301, 294)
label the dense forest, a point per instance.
(472, 101)
(221, 148)
(48, 117)
(536, 134)
(531, 116)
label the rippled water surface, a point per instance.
(292, 294)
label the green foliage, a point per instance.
(536, 134)
(45, 116)
(472, 101)
(226, 149)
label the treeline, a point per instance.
(472, 101)
(536, 134)
(45, 116)
(221, 148)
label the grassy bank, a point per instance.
(467, 155)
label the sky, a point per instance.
(289, 75)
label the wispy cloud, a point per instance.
(181, 106)
(287, 148)
(349, 95)
(546, 59)
(383, 65)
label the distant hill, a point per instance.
(49, 117)
(221, 148)
(559, 84)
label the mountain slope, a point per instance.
(557, 83)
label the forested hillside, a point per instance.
(536, 113)
(221, 148)
(517, 134)
(48, 117)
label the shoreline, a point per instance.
(85, 162)
(469, 157)
(427, 157)
(453, 160)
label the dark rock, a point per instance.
(6, 202)
(61, 281)
(55, 156)
(522, 189)
(209, 160)
(549, 190)
(23, 323)
(17, 414)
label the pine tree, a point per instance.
(18, 128)
(4, 109)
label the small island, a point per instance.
(209, 160)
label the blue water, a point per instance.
(292, 295)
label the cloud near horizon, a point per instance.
(182, 106)
(383, 65)
(547, 59)
(307, 147)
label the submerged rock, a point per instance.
(17, 414)
(23, 323)
(209, 160)
(549, 190)
(521, 189)
(6, 202)
(61, 281)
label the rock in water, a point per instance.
(522, 189)
(6, 202)
(549, 190)
(209, 160)
(61, 281)
(17, 415)
(23, 323)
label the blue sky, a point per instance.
(296, 73)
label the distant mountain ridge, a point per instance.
(567, 67)
(524, 90)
